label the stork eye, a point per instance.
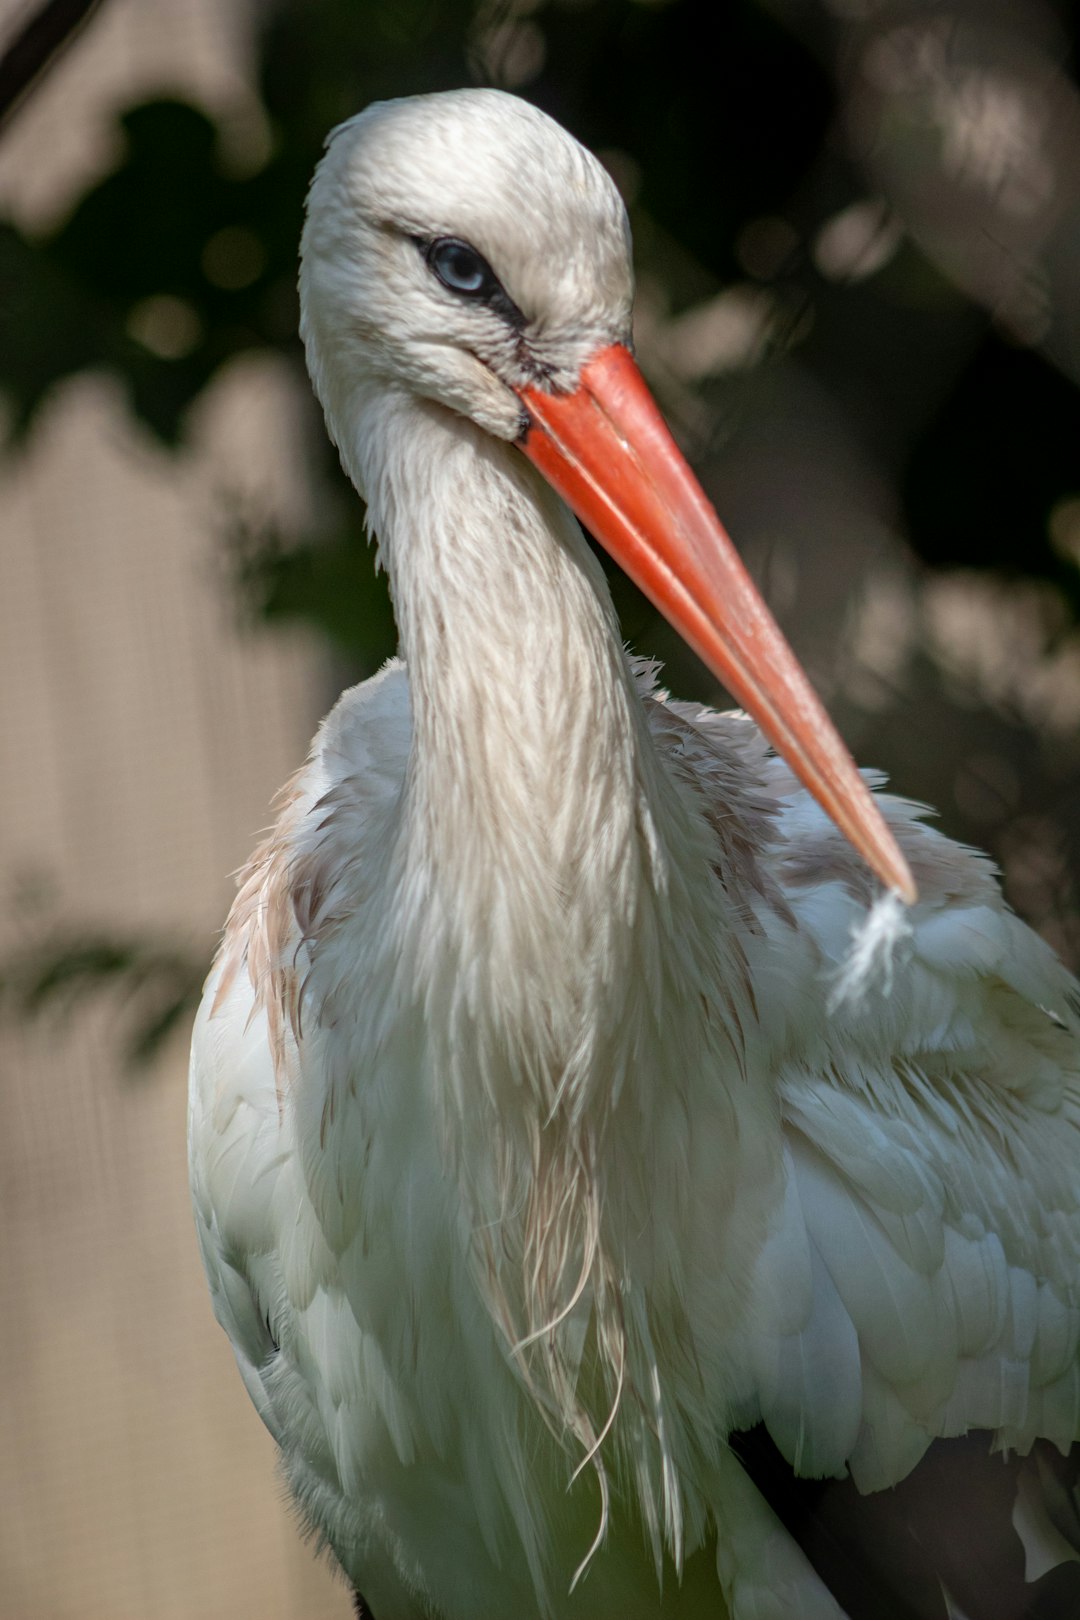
(464, 271)
(460, 268)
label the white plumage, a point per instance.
(531, 1152)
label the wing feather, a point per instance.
(932, 1156)
(890, 1303)
(809, 1381)
(890, 1440)
(976, 1273)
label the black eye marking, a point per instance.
(467, 273)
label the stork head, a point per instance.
(464, 248)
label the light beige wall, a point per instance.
(142, 734)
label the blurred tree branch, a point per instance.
(36, 46)
(155, 984)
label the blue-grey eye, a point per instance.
(460, 268)
(464, 271)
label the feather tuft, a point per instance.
(874, 944)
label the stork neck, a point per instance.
(527, 730)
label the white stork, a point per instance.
(534, 1161)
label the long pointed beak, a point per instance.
(607, 451)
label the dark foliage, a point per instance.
(155, 984)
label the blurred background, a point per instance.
(858, 237)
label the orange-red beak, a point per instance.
(607, 451)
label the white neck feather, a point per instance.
(534, 790)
